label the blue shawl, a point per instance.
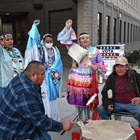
(53, 78)
(53, 73)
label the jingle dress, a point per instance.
(51, 60)
(80, 79)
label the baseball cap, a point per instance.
(121, 60)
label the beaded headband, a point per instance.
(1, 37)
(46, 35)
(83, 35)
(7, 36)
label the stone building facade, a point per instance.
(106, 21)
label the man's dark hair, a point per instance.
(33, 66)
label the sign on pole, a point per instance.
(109, 54)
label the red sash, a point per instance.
(93, 106)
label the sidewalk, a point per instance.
(67, 112)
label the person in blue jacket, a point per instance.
(22, 111)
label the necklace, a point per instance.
(50, 52)
(49, 56)
(12, 55)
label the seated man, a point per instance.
(22, 111)
(121, 91)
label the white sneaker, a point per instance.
(80, 123)
(88, 120)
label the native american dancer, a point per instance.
(11, 61)
(81, 76)
(49, 55)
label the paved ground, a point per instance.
(67, 112)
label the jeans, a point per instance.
(80, 110)
(135, 110)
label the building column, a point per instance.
(85, 18)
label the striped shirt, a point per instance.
(22, 112)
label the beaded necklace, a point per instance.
(12, 54)
(15, 57)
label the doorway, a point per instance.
(16, 24)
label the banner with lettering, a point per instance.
(109, 53)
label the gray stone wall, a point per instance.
(87, 18)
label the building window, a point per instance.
(7, 28)
(124, 32)
(114, 30)
(131, 34)
(139, 33)
(134, 33)
(131, 2)
(99, 28)
(134, 3)
(128, 33)
(107, 29)
(120, 31)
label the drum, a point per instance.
(77, 52)
(108, 130)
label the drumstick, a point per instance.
(89, 102)
(91, 99)
(73, 120)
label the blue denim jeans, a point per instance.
(1, 91)
(85, 111)
(135, 110)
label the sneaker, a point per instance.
(80, 122)
(88, 120)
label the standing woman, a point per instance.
(80, 79)
(50, 58)
(49, 55)
(11, 61)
